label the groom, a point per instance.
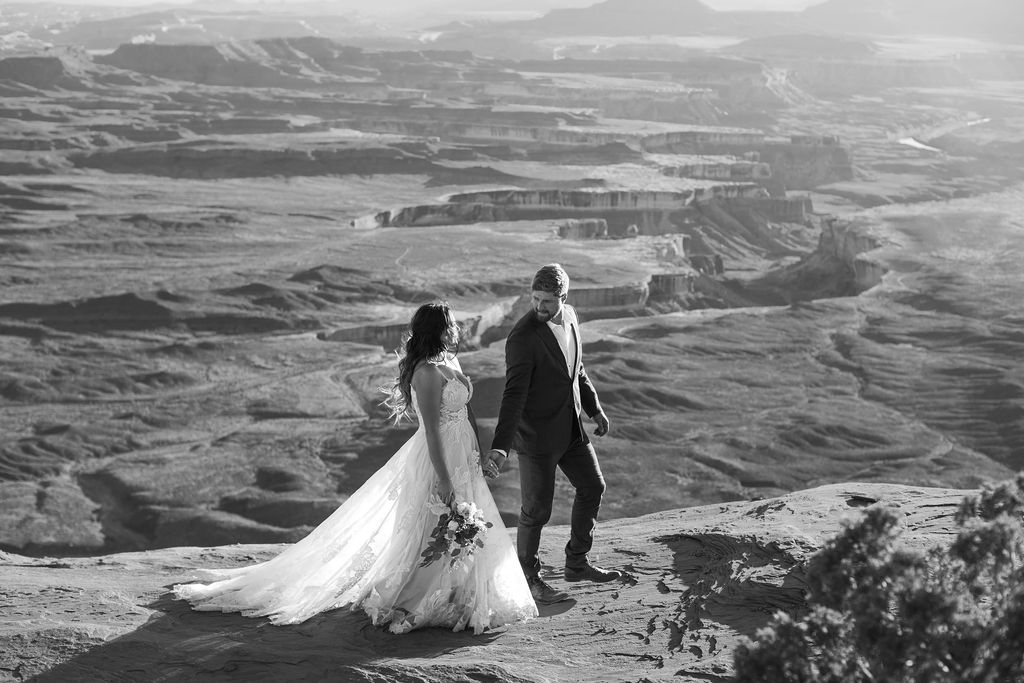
(546, 387)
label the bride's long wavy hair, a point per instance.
(424, 340)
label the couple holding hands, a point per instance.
(367, 554)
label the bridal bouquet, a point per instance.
(460, 530)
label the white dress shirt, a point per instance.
(565, 334)
(562, 335)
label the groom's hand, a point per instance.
(602, 424)
(492, 463)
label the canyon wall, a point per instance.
(805, 162)
(595, 302)
(851, 244)
(652, 212)
(800, 163)
(829, 77)
(734, 170)
(841, 265)
(477, 329)
(36, 71)
(784, 209)
(490, 127)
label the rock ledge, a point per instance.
(699, 579)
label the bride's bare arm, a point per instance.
(428, 382)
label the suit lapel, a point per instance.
(548, 337)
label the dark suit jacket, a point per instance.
(537, 408)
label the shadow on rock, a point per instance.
(734, 581)
(181, 644)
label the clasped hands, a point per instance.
(491, 463)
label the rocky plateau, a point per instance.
(698, 581)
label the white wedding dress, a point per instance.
(366, 555)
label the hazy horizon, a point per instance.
(394, 6)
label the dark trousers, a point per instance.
(537, 484)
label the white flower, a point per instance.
(453, 525)
(436, 505)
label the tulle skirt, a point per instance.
(367, 555)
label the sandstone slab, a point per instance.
(699, 580)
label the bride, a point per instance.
(369, 554)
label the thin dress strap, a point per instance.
(445, 371)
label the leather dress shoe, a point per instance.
(543, 594)
(589, 572)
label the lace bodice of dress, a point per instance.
(454, 397)
(454, 422)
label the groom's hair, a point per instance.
(552, 279)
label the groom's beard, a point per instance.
(543, 316)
